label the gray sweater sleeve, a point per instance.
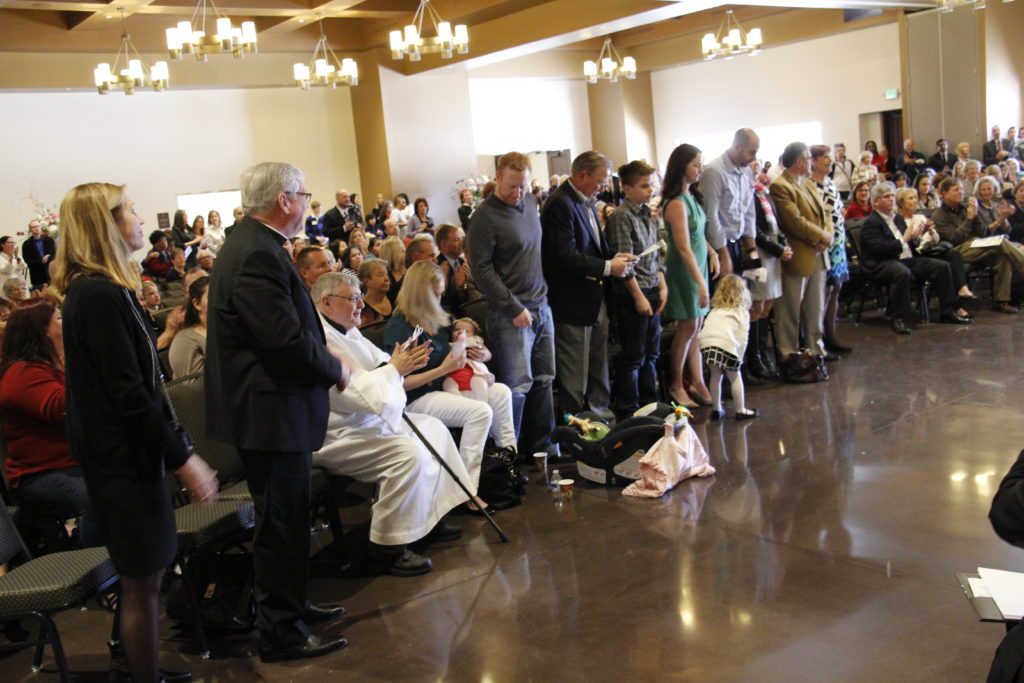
(480, 248)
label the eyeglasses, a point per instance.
(354, 299)
(305, 195)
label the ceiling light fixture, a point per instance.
(183, 40)
(324, 67)
(609, 65)
(410, 42)
(136, 73)
(728, 42)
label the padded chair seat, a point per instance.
(55, 581)
(239, 491)
(200, 525)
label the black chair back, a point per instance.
(11, 543)
(375, 333)
(187, 397)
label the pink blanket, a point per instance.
(670, 460)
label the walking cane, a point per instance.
(501, 534)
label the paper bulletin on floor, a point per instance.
(1005, 588)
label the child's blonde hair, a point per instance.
(732, 292)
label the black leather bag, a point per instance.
(936, 250)
(804, 367)
(223, 583)
(500, 483)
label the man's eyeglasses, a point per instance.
(354, 299)
(305, 195)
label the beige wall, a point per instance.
(169, 143)
(1004, 65)
(842, 75)
(429, 136)
(944, 76)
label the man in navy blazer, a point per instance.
(268, 372)
(576, 261)
(888, 254)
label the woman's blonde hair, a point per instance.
(90, 238)
(903, 194)
(416, 299)
(392, 252)
(732, 292)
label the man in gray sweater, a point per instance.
(504, 253)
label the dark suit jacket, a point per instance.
(452, 297)
(38, 271)
(878, 244)
(939, 161)
(334, 222)
(991, 148)
(572, 258)
(913, 168)
(267, 367)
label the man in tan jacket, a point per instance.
(808, 225)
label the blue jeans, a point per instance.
(636, 374)
(524, 359)
(59, 494)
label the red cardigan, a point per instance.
(855, 210)
(32, 409)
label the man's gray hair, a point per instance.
(263, 182)
(10, 284)
(590, 162)
(793, 152)
(328, 282)
(878, 189)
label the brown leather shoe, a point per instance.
(1004, 307)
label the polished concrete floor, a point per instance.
(823, 550)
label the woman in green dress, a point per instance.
(687, 272)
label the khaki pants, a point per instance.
(1005, 257)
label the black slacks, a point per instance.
(900, 274)
(279, 483)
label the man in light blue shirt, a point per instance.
(728, 189)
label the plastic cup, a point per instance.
(540, 459)
(565, 486)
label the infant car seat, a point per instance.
(613, 459)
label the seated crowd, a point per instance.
(545, 297)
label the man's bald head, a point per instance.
(745, 145)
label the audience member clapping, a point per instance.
(11, 263)
(1017, 217)
(419, 306)
(420, 221)
(367, 439)
(993, 209)
(928, 243)
(865, 171)
(45, 478)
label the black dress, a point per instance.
(120, 425)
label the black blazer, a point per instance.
(38, 271)
(334, 224)
(939, 161)
(118, 422)
(267, 367)
(878, 244)
(572, 258)
(465, 211)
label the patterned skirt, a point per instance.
(721, 358)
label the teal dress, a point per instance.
(682, 290)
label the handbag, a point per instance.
(500, 482)
(804, 367)
(223, 583)
(936, 250)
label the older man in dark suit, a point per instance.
(889, 255)
(576, 261)
(342, 218)
(268, 373)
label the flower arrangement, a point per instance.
(47, 217)
(474, 184)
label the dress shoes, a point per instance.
(316, 614)
(831, 357)
(444, 531)
(314, 646)
(752, 380)
(900, 327)
(1004, 307)
(835, 347)
(717, 415)
(750, 414)
(396, 560)
(954, 319)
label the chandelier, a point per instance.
(411, 42)
(136, 73)
(183, 40)
(728, 42)
(324, 68)
(609, 65)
